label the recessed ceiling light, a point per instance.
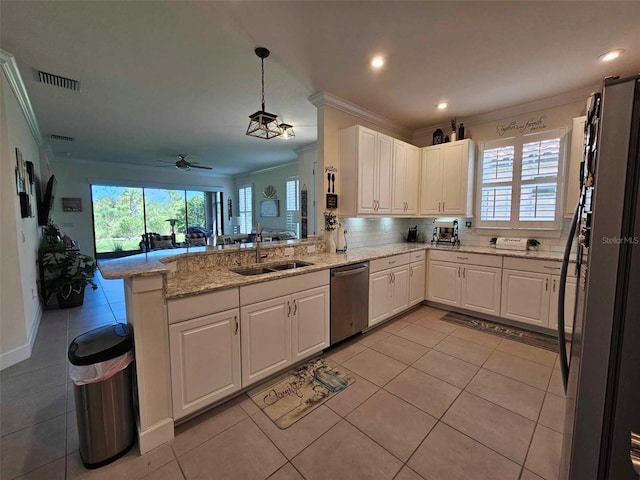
(377, 62)
(612, 55)
(442, 106)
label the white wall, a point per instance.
(74, 179)
(20, 309)
(307, 166)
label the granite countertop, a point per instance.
(191, 283)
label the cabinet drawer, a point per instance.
(417, 256)
(267, 290)
(187, 308)
(466, 258)
(529, 265)
(389, 262)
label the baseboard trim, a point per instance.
(23, 352)
(161, 432)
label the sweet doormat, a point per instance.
(516, 334)
(303, 390)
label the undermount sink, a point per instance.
(271, 267)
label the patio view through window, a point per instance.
(122, 215)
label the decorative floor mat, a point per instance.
(303, 390)
(516, 334)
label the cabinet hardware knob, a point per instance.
(235, 319)
(295, 307)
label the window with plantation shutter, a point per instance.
(520, 180)
(245, 208)
(293, 205)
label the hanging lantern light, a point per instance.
(263, 124)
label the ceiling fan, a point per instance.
(183, 165)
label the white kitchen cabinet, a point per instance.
(417, 282)
(400, 289)
(366, 163)
(526, 296)
(572, 174)
(569, 302)
(481, 288)
(406, 167)
(447, 179)
(310, 325)
(388, 293)
(205, 360)
(443, 285)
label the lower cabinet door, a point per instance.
(443, 285)
(205, 360)
(417, 279)
(266, 338)
(310, 322)
(525, 297)
(379, 296)
(400, 289)
(569, 303)
(481, 289)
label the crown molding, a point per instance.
(11, 71)
(549, 102)
(325, 98)
(310, 147)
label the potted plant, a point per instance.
(67, 273)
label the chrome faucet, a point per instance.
(259, 256)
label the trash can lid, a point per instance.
(101, 344)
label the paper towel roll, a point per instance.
(340, 239)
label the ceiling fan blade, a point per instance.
(204, 168)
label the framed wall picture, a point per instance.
(71, 204)
(21, 173)
(269, 208)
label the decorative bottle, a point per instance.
(461, 132)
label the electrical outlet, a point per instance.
(288, 252)
(311, 249)
(385, 228)
(467, 224)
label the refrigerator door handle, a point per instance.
(635, 452)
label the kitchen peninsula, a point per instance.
(184, 298)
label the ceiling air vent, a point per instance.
(58, 81)
(62, 137)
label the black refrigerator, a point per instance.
(600, 361)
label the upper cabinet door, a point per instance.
(431, 181)
(384, 175)
(412, 179)
(367, 166)
(454, 177)
(399, 176)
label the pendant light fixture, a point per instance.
(287, 131)
(263, 124)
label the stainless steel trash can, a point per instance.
(101, 367)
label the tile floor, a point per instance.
(431, 401)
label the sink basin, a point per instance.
(271, 267)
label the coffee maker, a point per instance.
(445, 232)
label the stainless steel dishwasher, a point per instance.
(349, 300)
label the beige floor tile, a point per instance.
(292, 440)
(555, 384)
(170, 471)
(206, 426)
(51, 471)
(445, 367)
(288, 472)
(445, 448)
(481, 338)
(544, 454)
(437, 325)
(371, 338)
(248, 405)
(32, 447)
(345, 452)
(27, 410)
(464, 350)
(33, 382)
(401, 349)
(344, 353)
(519, 369)
(510, 394)
(415, 315)
(50, 348)
(242, 451)
(407, 474)
(394, 325)
(495, 427)
(345, 401)
(421, 335)
(132, 466)
(375, 367)
(428, 393)
(396, 425)
(527, 475)
(436, 313)
(553, 412)
(528, 352)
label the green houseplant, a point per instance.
(67, 273)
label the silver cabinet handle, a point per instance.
(553, 285)
(295, 307)
(289, 308)
(458, 271)
(546, 285)
(393, 277)
(443, 207)
(439, 203)
(551, 268)
(411, 272)
(464, 272)
(235, 319)
(635, 452)
(391, 262)
(462, 258)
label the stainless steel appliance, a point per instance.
(445, 232)
(349, 300)
(601, 364)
